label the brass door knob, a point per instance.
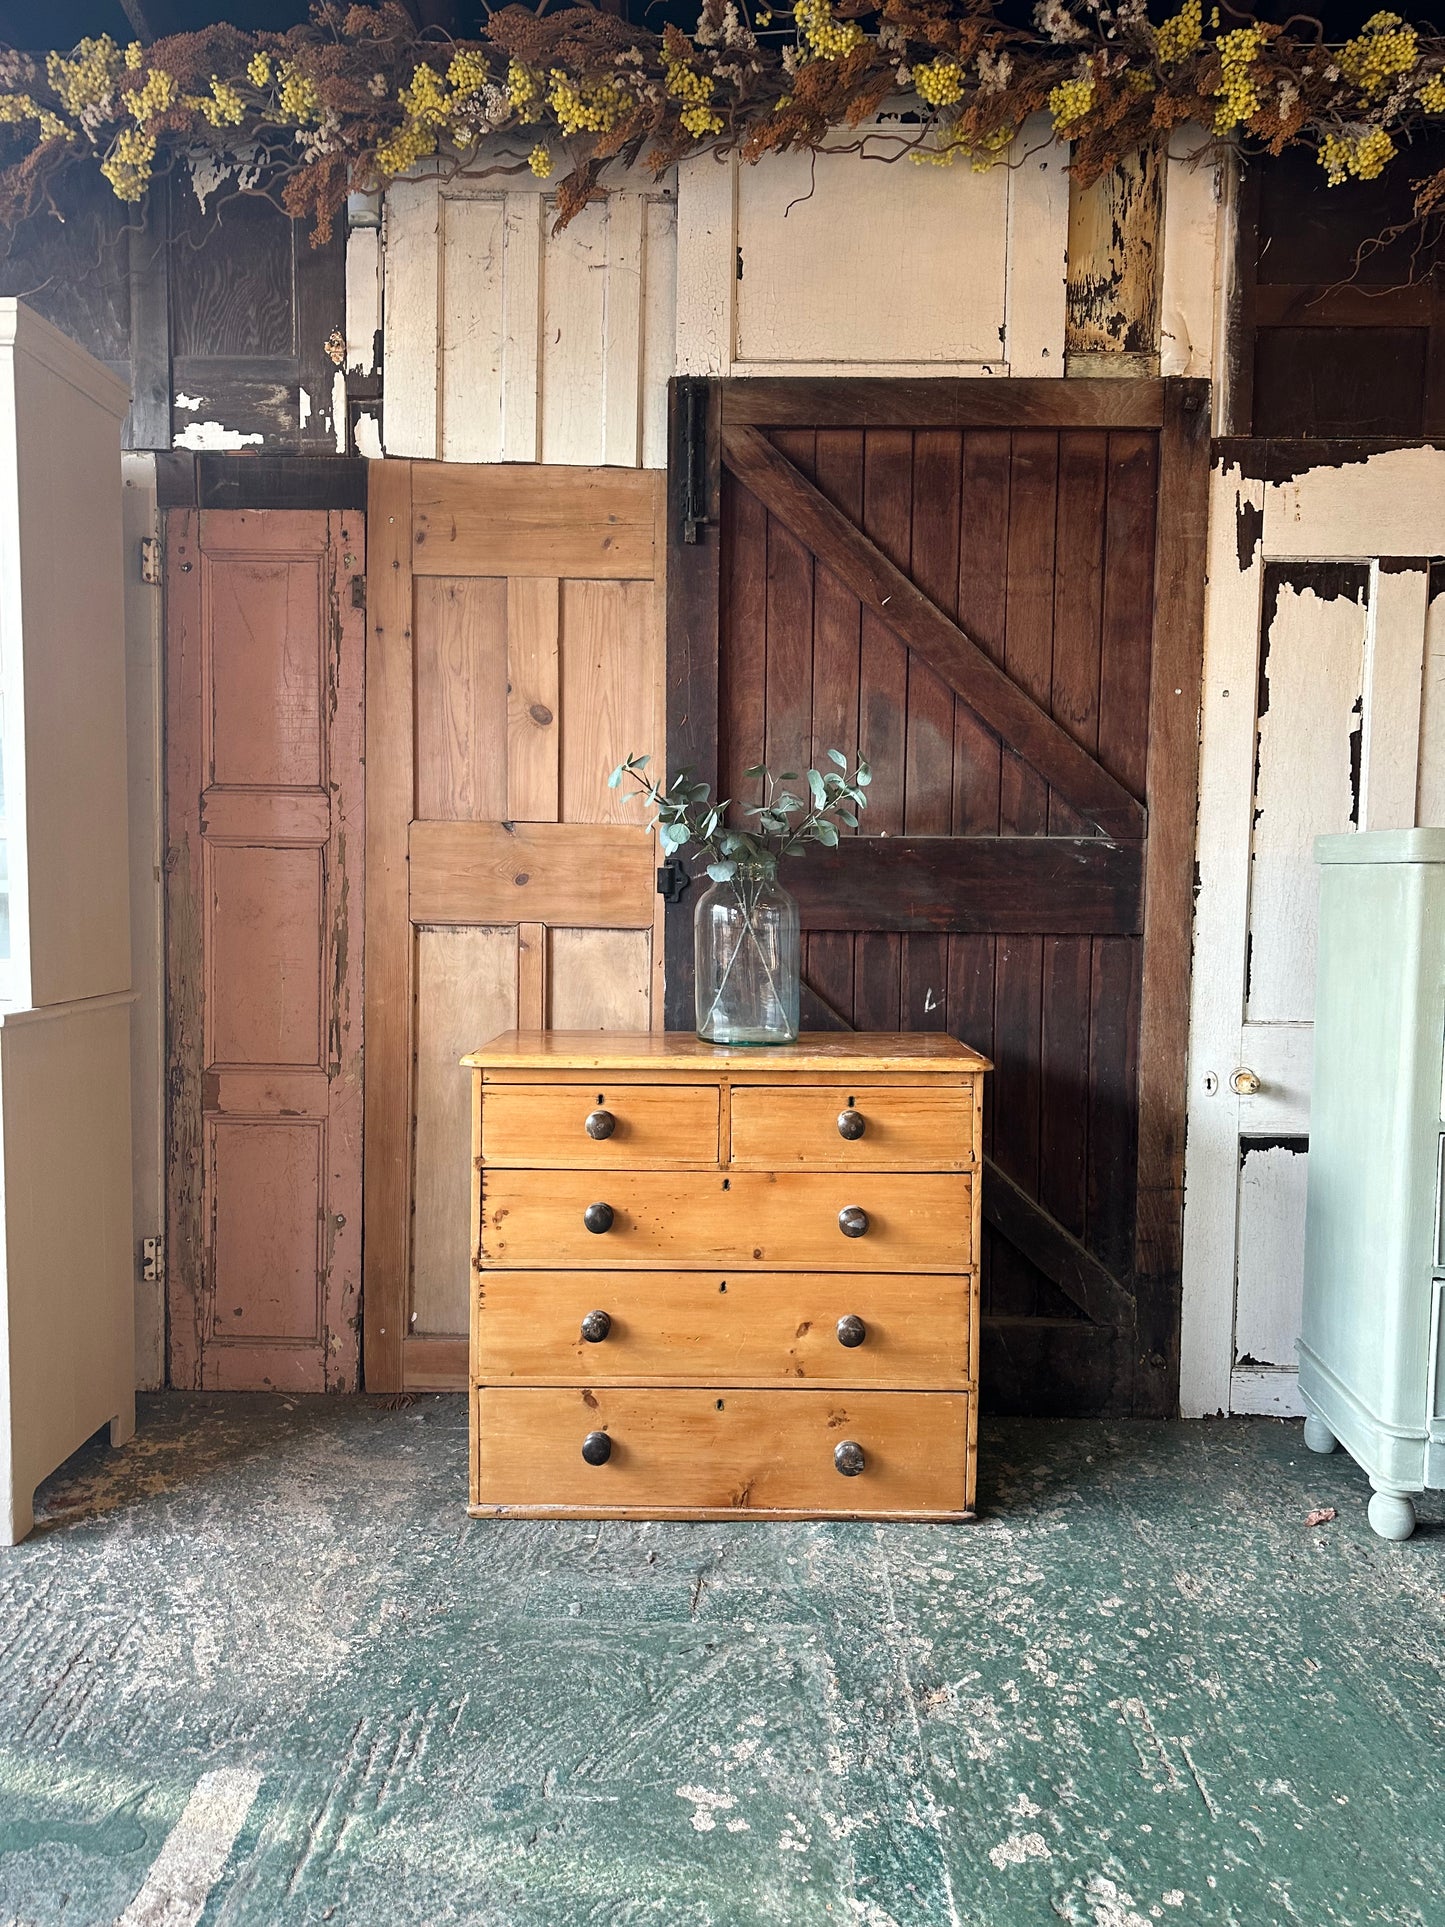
(595, 1327)
(600, 1124)
(597, 1448)
(598, 1217)
(851, 1331)
(1244, 1083)
(852, 1221)
(851, 1124)
(848, 1457)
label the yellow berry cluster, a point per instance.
(939, 82)
(402, 149)
(1385, 48)
(584, 107)
(424, 97)
(128, 164)
(300, 101)
(224, 106)
(1366, 155)
(1432, 94)
(154, 96)
(258, 70)
(1181, 34)
(1070, 101)
(540, 161)
(694, 90)
(87, 77)
(1237, 94)
(825, 37)
(524, 91)
(468, 73)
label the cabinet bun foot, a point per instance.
(1318, 1436)
(1392, 1515)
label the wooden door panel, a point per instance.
(263, 803)
(971, 601)
(515, 659)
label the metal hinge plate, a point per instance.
(673, 881)
(150, 559)
(152, 1260)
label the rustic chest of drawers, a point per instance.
(714, 1283)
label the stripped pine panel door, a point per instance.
(514, 657)
(1324, 711)
(972, 589)
(264, 702)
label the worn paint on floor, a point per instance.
(259, 1667)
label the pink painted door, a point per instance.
(264, 691)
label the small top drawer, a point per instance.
(837, 1127)
(601, 1126)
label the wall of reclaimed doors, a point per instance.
(994, 590)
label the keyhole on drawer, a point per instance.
(719, 1405)
(852, 1101)
(727, 1184)
(600, 1099)
(724, 1285)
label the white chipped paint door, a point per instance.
(1324, 710)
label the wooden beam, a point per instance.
(1173, 766)
(510, 519)
(824, 401)
(1054, 1251)
(888, 594)
(1037, 885)
(584, 876)
(386, 1274)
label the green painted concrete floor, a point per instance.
(259, 1667)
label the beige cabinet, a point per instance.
(66, 1259)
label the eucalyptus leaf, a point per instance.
(837, 756)
(722, 872)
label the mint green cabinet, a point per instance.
(1374, 1253)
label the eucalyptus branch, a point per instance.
(684, 814)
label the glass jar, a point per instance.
(745, 935)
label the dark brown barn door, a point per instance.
(995, 597)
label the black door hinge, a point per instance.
(694, 459)
(673, 881)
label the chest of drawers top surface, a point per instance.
(823, 1051)
(721, 1269)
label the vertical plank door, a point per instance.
(264, 711)
(514, 657)
(992, 590)
(1324, 711)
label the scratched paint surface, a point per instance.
(1140, 1689)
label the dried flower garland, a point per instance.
(357, 97)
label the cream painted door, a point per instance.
(1324, 710)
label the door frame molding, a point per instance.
(701, 412)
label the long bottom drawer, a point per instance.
(721, 1454)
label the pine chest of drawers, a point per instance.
(716, 1283)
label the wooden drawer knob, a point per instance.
(600, 1124)
(597, 1448)
(598, 1217)
(847, 1456)
(595, 1327)
(851, 1331)
(851, 1124)
(852, 1221)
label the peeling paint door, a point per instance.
(1324, 711)
(264, 699)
